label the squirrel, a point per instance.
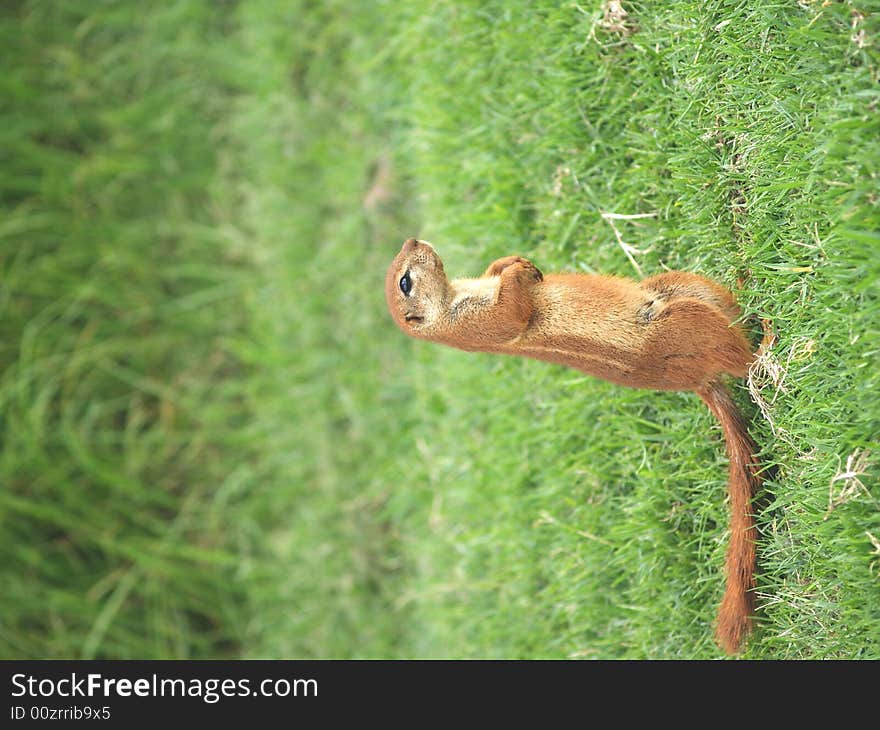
(672, 331)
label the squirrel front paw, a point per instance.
(524, 268)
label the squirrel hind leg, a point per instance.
(687, 325)
(673, 284)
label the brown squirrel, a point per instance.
(673, 331)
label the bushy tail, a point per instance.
(735, 612)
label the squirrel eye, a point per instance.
(405, 284)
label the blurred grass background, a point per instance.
(215, 443)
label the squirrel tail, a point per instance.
(735, 612)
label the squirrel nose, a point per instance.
(409, 244)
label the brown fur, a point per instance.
(735, 611)
(673, 331)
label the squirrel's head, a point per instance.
(416, 288)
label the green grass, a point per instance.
(215, 443)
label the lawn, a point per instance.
(215, 443)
